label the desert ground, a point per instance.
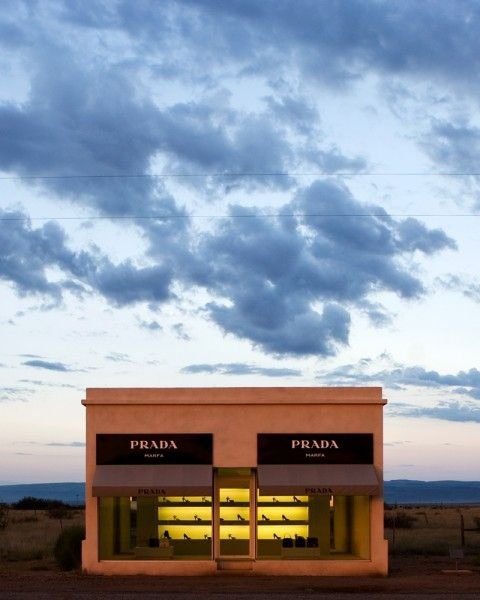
(420, 564)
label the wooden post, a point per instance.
(462, 531)
(393, 528)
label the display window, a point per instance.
(155, 528)
(313, 527)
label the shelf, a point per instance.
(234, 522)
(183, 504)
(183, 522)
(281, 522)
(234, 504)
(282, 504)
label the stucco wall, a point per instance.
(234, 416)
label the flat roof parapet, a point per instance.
(235, 395)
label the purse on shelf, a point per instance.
(153, 542)
(287, 542)
(299, 541)
(312, 542)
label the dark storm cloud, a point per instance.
(26, 253)
(50, 366)
(333, 41)
(465, 383)
(446, 411)
(287, 283)
(150, 325)
(455, 145)
(239, 369)
(125, 283)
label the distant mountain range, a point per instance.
(398, 491)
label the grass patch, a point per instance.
(433, 531)
(30, 535)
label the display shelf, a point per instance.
(282, 522)
(264, 504)
(184, 522)
(286, 516)
(234, 522)
(183, 504)
(234, 504)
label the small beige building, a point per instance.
(278, 481)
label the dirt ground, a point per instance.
(411, 576)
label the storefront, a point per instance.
(272, 480)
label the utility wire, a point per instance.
(247, 216)
(245, 174)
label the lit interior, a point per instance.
(285, 499)
(194, 532)
(236, 494)
(185, 517)
(265, 532)
(235, 528)
(276, 513)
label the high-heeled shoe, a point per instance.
(240, 518)
(186, 537)
(285, 518)
(276, 537)
(166, 535)
(207, 537)
(197, 518)
(295, 499)
(185, 499)
(175, 518)
(231, 537)
(265, 518)
(274, 500)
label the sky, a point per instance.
(242, 193)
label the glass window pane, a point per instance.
(313, 527)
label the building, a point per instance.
(190, 481)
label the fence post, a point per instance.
(462, 531)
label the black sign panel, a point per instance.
(315, 448)
(155, 449)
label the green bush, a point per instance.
(68, 547)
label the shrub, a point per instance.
(3, 516)
(68, 547)
(400, 520)
(32, 503)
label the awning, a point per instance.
(317, 480)
(152, 480)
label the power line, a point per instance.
(244, 174)
(246, 216)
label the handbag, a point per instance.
(287, 542)
(312, 542)
(299, 541)
(153, 542)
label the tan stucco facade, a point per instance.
(234, 416)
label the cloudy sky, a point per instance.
(241, 193)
